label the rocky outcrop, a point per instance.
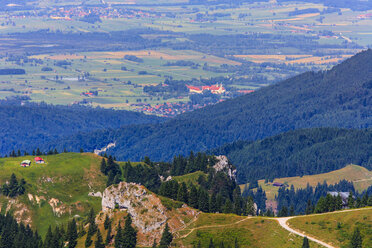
(148, 213)
(224, 165)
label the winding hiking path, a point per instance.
(213, 226)
(283, 223)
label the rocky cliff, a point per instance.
(149, 213)
(224, 165)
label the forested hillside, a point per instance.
(30, 125)
(300, 152)
(340, 97)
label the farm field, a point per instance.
(119, 82)
(248, 45)
(336, 228)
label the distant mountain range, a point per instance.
(28, 126)
(340, 97)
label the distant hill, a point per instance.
(340, 97)
(300, 152)
(27, 126)
(359, 176)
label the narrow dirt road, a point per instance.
(283, 222)
(213, 226)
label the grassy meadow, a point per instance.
(250, 232)
(64, 182)
(336, 228)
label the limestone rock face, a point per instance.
(224, 165)
(145, 208)
(148, 213)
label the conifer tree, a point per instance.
(129, 236)
(350, 200)
(199, 244)
(72, 234)
(107, 222)
(227, 208)
(193, 198)
(305, 243)
(182, 194)
(213, 203)
(57, 241)
(103, 166)
(108, 235)
(203, 202)
(356, 239)
(99, 242)
(110, 179)
(118, 237)
(211, 245)
(48, 238)
(88, 240)
(236, 244)
(166, 238)
(154, 244)
(117, 179)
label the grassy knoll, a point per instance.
(337, 228)
(56, 190)
(250, 232)
(360, 176)
(190, 178)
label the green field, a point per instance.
(336, 228)
(104, 68)
(63, 181)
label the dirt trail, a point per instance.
(283, 223)
(213, 226)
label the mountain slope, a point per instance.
(336, 228)
(340, 97)
(26, 126)
(55, 191)
(300, 152)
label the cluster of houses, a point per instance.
(27, 163)
(214, 89)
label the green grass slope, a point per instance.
(360, 176)
(63, 182)
(249, 231)
(336, 228)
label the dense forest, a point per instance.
(319, 199)
(340, 97)
(300, 152)
(17, 235)
(30, 124)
